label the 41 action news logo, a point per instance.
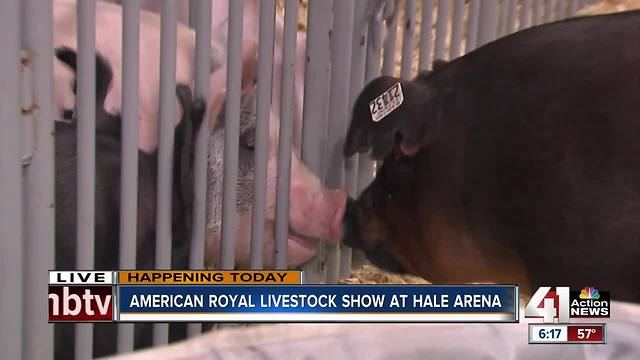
(562, 304)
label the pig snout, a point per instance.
(378, 252)
(350, 233)
(362, 228)
(317, 213)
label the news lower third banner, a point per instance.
(266, 296)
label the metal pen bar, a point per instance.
(472, 25)
(27, 125)
(488, 25)
(86, 150)
(502, 14)
(194, 8)
(573, 8)
(358, 58)
(524, 15)
(356, 82)
(285, 136)
(535, 12)
(558, 10)
(425, 35)
(456, 29)
(584, 3)
(548, 9)
(407, 41)
(374, 48)
(201, 17)
(37, 39)
(11, 230)
(441, 29)
(231, 135)
(351, 174)
(338, 113)
(129, 174)
(165, 149)
(372, 70)
(166, 128)
(315, 109)
(389, 57)
(202, 25)
(263, 103)
(511, 17)
(86, 105)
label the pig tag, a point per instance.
(388, 101)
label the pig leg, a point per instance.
(186, 132)
(185, 135)
(193, 115)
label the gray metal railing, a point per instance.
(316, 107)
(263, 120)
(346, 47)
(285, 134)
(11, 229)
(129, 174)
(38, 175)
(231, 135)
(338, 257)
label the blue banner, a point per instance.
(473, 300)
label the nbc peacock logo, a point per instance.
(590, 293)
(589, 303)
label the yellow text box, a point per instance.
(156, 277)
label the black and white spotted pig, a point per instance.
(107, 199)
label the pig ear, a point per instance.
(249, 56)
(218, 84)
(218, 89)
(439, 63)
(104, 74)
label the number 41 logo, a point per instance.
(549, 304)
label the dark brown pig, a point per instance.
(516, 163)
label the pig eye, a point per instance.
(249, 143)
(396, 175)
(391, 187)
(390, 183)
(68, 114)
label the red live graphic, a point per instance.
(80, 303)
(585, 333)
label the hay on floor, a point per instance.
(369, 274)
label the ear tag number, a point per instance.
(386, 102)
